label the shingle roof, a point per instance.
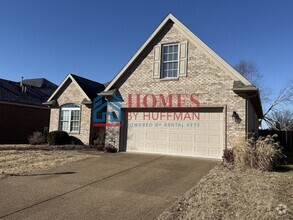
(37, 91)
(91, 88)
(240, 85)
(39, 83)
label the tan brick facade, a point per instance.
(70, 93)
(204, 77)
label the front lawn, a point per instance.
(235, 194)
(16, 162)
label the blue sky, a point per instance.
(95, 39)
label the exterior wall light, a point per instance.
(236, 117)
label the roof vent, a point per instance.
(22, 86)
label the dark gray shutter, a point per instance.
(157, 62)
(183, 59)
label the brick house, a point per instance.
(21, 109)
(179, 97)
(71, 107)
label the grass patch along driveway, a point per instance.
(17, 162)
(235, 194)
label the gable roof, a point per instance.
(88, 88)
(170, 19)
(37, 91)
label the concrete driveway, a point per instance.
(112, 186)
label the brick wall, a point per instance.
(71, 94)
(205, 78)
(19, 122)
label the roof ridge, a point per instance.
(74, 75)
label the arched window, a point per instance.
(70, 118)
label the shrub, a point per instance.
(268, 153)
(228, 156)
(36, 138)
(99, 139)
(264, 154)
(242, 152)
(75, 141)
(58, 138)
(100, 147)
(110, 149)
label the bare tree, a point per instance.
(280, 120)
(284, 100)
(275, 116)
(250, 71)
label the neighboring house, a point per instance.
(71, 107)
(174, 61)
(178, 97)
(21, 109)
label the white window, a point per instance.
(70, 118)
(170, 59)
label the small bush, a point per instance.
(99, 139)
(58, 138)
(100, 147)
(228, 156)
(263, 154)
(268, 153)
(36, 138)
(242, 151)
(75, 141)
(110, 149)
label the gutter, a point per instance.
(24, 105)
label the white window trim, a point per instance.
(70, 109)
(162, 62)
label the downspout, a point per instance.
(246, 116)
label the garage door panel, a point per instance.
(174, 149)
(133, 146)
(213, 152)
(149, 147)
(186, 138)
(200, 151)
(162, 147)
(162, 136)
(139, 135)
(201, 137)
(151, 136)
(215, 115)
(188, 150)
(174, 137)
(214, 139)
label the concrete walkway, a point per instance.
(112, 186)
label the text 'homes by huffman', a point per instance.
(177, 97)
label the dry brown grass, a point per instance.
(235, 194)
(268, 153)
(263, 154)
(15, 162)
